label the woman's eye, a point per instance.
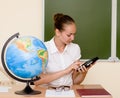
(69, 35)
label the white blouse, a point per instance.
(59, 61)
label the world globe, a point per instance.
(24, 58)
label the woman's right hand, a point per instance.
(74, 66)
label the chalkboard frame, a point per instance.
(118, 29)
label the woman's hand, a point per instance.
(74, 66)
(83, 69)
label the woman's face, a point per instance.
(67, 35)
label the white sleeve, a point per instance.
(77, 52)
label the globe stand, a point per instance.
(27, 91)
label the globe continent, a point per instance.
(26, 57)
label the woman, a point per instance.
(64, 55)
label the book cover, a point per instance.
(93, 92)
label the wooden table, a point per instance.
(11, 93)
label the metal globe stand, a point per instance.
(27, 90)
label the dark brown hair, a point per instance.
(60, 20)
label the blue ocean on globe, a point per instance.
(26, 57)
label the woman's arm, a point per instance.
(46, 78)
(49, 77)
(78, 77)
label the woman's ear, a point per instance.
(57, 32)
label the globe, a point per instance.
(24, 58)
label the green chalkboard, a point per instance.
(118, 29)
(93, 20)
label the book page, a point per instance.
(4, 89)
(53, 93)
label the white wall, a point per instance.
(107, 74)
(26, 17)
